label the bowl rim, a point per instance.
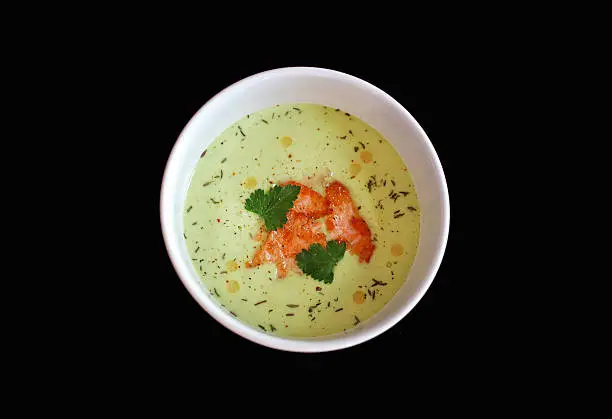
(341, 341)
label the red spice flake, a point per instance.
(318, 288)
(218, 220)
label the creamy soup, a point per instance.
(313, 145)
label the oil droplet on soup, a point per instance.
(366, 157)
(397, 249)
(231, 265)
(232, 286)
(286, 141)
(354, 169)
(250, 182)
(359, 297)
(220, 233)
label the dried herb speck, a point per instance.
(197, 248)
(293, 305)
(216, 292)
(290, 314)
(264, 121)
(224, 160)
(240, 129)
(203, 153)
(357, 321)
(362, 145)
(272, 328)
(339, 309)
(356, 150)
(261, 302)
(207, 183)
(393, 182)
(411, 208)
(262, 328)
(376, 282)
(214, 202)
(189, 209)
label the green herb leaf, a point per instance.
(274, 205)
(319, 262)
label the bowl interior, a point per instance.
(336, 90)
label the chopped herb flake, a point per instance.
(376, 282)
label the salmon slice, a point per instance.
(299, 232)
(282, 245)
(309, 201)
(344, 222)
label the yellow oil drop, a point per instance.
(366, 157)
(354, 169)
(359, 297)
(232, 286)
(286, 141)
(250, 182)
(397, 250)
(231, 265)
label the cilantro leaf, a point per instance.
(274, 205)
(319, 262)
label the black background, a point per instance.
(459, 323)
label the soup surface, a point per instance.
(315, 146)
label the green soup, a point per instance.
(311, 144)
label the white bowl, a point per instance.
(336, 90)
